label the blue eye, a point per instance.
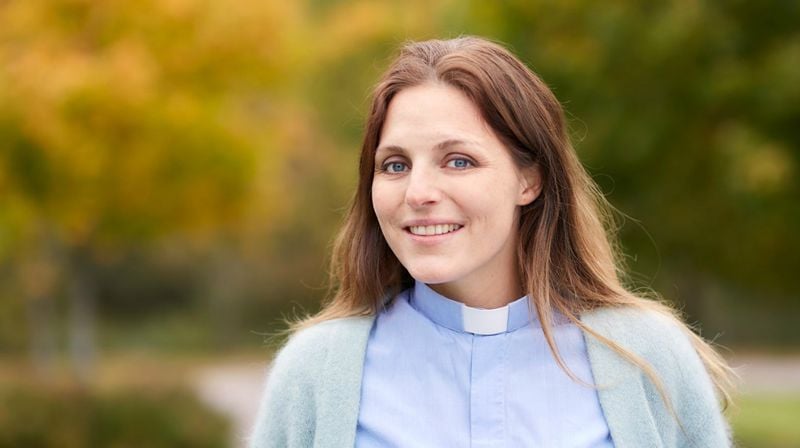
(459, 163)
(394, 167)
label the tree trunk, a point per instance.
(82, 319)
(42, 337)
(38, 273)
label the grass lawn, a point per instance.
(767, 421)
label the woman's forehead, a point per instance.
(431, 114)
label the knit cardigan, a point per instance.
(314, 388)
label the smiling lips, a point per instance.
(438, 229)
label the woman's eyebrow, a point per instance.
(441, 146)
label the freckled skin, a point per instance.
(476, 264)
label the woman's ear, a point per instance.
(531, 184)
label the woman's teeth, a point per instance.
(433, 230)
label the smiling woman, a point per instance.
(478, 300)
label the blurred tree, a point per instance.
(236, 127)
(122, 124)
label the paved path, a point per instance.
(235, 389)
(768, 374)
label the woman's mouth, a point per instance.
(433, 230)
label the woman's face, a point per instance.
(446, 193)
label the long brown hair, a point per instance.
(568, 255)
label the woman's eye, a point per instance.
(459, 163)
(394, 167)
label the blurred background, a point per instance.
(172, 173)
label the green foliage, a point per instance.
(113, 132)
(68, 417)
(190, 127)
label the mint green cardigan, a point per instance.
(314, 388)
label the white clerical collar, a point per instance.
(459, 317)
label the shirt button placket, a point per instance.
(487, 392)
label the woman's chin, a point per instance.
(431, 277)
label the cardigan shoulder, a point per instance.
(664, 345)
(309, 382)
(310, 346)
(660, 339)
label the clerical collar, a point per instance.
(459, 317)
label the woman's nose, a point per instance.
(422, 189)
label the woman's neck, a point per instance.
(486, 293)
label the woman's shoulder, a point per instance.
(659, 339)
(312, 344)
(317, 366)
(664, 343)
(647, 332)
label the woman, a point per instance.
(477, 298)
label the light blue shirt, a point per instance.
(440, 374)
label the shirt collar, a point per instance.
(459, 317)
